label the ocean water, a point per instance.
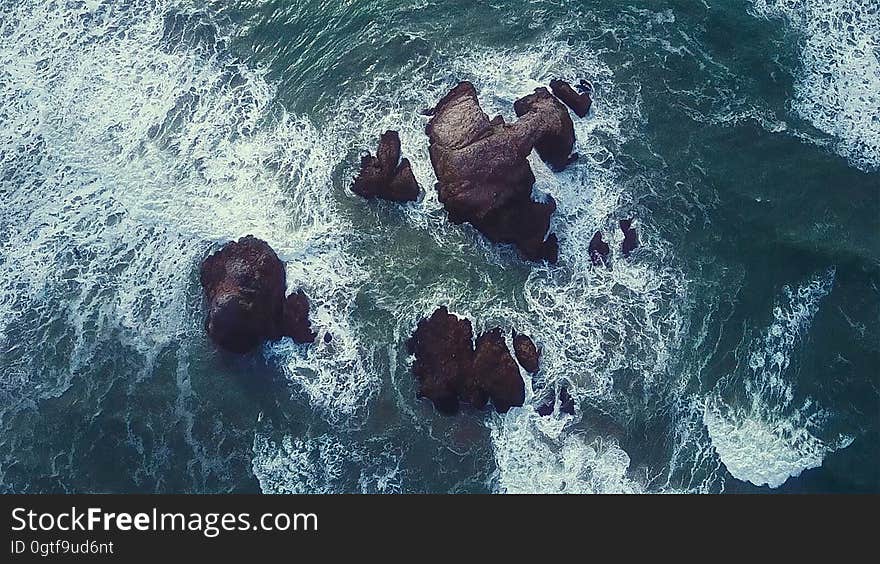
(736, 351)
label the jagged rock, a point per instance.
(496, 373)
(578, 102)
(599, 250)
(630, 237)
(449, 370)
(244, 285)
(444, 350)
(386, 176)
(483, 174)
(566, 403)
(296, 318)
(545, 114)
(526, 352)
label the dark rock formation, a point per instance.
(526, 352)
(483, 174)
(599, 250)
(444, 350)
(566, 403)
(496, 373)
(579, 103)
(244, 284)
(296, 318)
(545, 114)
(382, 177)
(449, 370)
(630, 237)
(546, 407)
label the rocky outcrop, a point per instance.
(566, 403)
(451, 371)
(386, 176)
(496, 373)
(599, 250)
(444, 351)
(630, 237)
(244, 285)
(543, 113)
(296, 319)
(578, 102)
(483, 174)
(527, 354)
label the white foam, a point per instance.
(324, 464)
(838, 89)
(530, 460)
(126, 153)
(770, 436)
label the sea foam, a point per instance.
(325, 464)
(131, 145)
(838, 88)
(770, 436)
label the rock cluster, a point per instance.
(451, 369)
(600, 250)
(566, 403)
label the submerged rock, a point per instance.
(599, 250)
(386, 176)
(296, 319)
(578, 102)
(526, 352)
(244, 285)
(450, 370)
(566, 403)
(483, 173)
(630, 237)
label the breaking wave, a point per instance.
(132, 144)
(838, 90)
(770, 435)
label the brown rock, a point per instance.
(443, 346)
(579, 103)
(385, 176)
(483, 174)
(555, 131)
(526, 352)
(450, 371)
(244, 285)
(296, 318)
(495, 372)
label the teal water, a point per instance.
(737, 351)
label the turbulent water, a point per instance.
(736, 351)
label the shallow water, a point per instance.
(737, 349)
